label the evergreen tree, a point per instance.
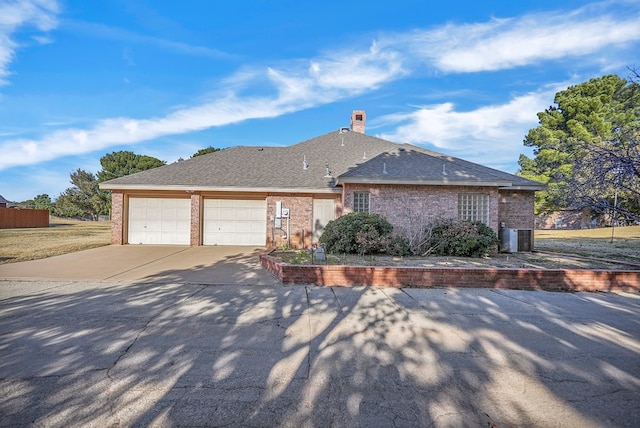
(84, 198)
(205, 151)
(119, 164)
(586, 121)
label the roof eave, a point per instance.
(531, 187)
(426, 182)
(190, 189)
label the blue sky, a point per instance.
(79, 79)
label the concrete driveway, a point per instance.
(144, 353)
(156, 263)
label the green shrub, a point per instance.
(357, 233)
(462, 238)
(398, 246)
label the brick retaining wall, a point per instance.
(522, 279)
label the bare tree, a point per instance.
(606, 178)
(417, 228)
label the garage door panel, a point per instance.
(159, 221)
(225, 227)
(243, 214)
(184, 212)
(136, 224)
(136, 237)
(166, 236)
(184, 226)
(168, 212)
(211, 213)
(254, 227)
(234, 222)
(136, 211)
(229, 213)
(153, 213)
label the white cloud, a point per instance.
(491, 135)
(127, 56)
(117, 131)
(357, 71)
(491, 131)
(42, 40)
(294, 89)
(41, 14)
(501, 44)
(120, 34)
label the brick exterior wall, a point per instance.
(516, 209)
(196, 219)
(117, 217)
(300, 221)
(398, 204)
(402, 205)
(520, 279)
(301, 215)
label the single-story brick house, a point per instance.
(273, 196)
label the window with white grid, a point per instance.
(473, 207)
(361, 202)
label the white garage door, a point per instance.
(235, 222)
(159, 221)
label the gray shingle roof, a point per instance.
(411, 164)
(349, 156)
(3, 200)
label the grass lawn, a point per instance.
(61, 237)
(66, 236)
(592, 242)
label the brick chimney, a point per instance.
(358, 120)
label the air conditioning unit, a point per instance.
(525, 240)
(508, 240)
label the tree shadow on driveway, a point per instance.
(235, 267)
(149, 353)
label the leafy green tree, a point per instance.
(65, 205)
(84, 198)
(584, 119)
(42, 202)
(119, 164)
(25, 204)
(208, 150)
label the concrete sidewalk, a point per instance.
(156, 263)
(81, 353)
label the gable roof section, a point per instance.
(349, 156)
(3, 200)
(409, 164)
(247, 168)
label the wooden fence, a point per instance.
(12, 218)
